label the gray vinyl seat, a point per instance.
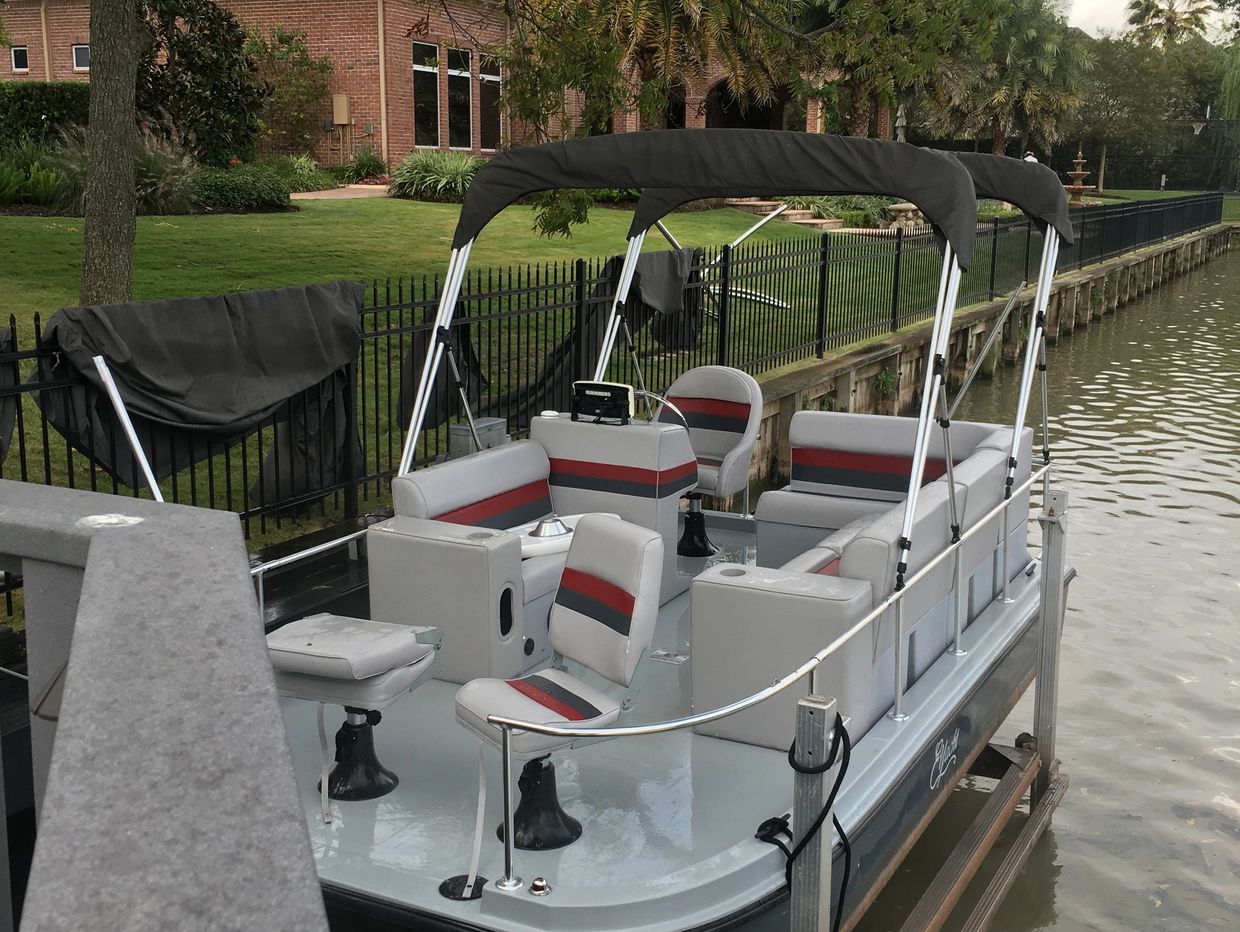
(603, 618)
(362, 665)
(722, 408)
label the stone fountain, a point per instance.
(1076, 189)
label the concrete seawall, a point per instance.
(884, 376)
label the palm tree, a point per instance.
(1030, 86)
(1163, 22)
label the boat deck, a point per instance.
(668, 819)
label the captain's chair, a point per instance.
(603, 618)
(722, 408)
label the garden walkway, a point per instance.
(349, 191)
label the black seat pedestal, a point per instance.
(358, 774)
(539, 824)
(693, 541)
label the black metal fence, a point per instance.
(762, 305)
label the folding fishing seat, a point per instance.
(603, 618)
(362, 665)
(722, 409)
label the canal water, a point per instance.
(1145, 432)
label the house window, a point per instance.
(20, 58)
(81, 58)
(425, 94)
(489, 83)
(460, 106)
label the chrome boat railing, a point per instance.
(810, 667)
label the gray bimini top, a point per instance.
(1031, 186)
(673, 167)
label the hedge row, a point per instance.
(35, 108)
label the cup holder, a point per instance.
(480, 535)
(732, 571)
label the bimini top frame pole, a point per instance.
(1036, 190)
(673, 167)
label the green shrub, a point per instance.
(434, 176)
(41, 185)
(859, 210)
(365, 164)
(23, 151)
(616, 195)
(11, 180)
(240, 188)
(41, 108)
(291, 116)
(164, 171)
(300, 171)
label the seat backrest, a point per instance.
(497, 488)
(867, 455)
(605, 609)
(873, 552)
(723, 410)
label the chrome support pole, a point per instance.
(949, 287)
(995, 331)
(510, 881)
(1046, 430)
(627, 269)
(811, 872)
(122, 415)
(1037, 319)
(454, 277)
(1006, 597)
(897, 713)
(667, 234)
(961, 610)
(261, 577)
(1046, 686)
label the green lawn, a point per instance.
(325, 240)
(1231, 202)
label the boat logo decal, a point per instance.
(944, 758)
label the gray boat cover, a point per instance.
(197, 373)
(676, 166)
(1031, 186)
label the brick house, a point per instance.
(412, 73)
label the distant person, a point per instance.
(1030, 157)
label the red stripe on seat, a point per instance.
(737, 409)
(600, 590)
(886, 463)
(831, 568)
(530, 691)
(497, 504)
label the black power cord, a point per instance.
(770, 830)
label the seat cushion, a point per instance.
(541, 575)
(335, 647)
(549, 697)
(375, 692)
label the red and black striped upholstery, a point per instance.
(623, 480)
(514, 507)
(879, 472)
(603, 618)
(597, 599)
(722, 408)
(499, 488)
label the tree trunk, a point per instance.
(1102, 167)
(998, 137)
(859, 119)
(111, 203)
